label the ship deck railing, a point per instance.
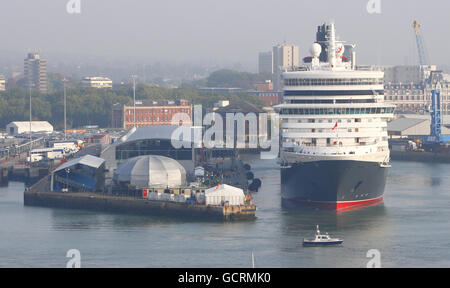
(362, 144)
(335, 152)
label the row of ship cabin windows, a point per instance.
(314, 142)
(325, 82)
(332, 101)
(338, 111)
(349, 130)
(357, 120)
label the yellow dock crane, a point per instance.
(423, 59)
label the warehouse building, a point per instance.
(149, 113)
(20, 127)
(405, 127)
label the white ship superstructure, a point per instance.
(333, 112)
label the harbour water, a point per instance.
(411, 229)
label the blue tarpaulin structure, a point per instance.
(80, 174)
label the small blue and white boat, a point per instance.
(322, 240)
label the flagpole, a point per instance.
(337, 134)
(65, 109)
(335, 128)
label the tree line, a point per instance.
(90, 106)
(226, 78)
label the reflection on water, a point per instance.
(305, 218)
(12, 192)
(78, 220)
(436, 181)
(418, 181)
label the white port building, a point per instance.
(97, 82)
(2, 83)
(20, 127)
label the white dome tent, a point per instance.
(226, 193)
(151, 172)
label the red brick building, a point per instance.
(264, 87)
(149, 113)
(265, 92)
(269, 98)
(104, 139)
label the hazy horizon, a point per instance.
(213, 33)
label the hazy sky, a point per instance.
(221, 31)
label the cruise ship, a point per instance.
(335, 151)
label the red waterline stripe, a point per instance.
(346, 206)
(343, 206)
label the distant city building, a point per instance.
(103, 139)
(409, 87)
(15, 75)
(264, 91)
(407, 74)
(35, 73)
(265, 62)
(221, 104)
(97, 82)
(2, 83)
(269, 98)
(20, 127)
(149, 113)
(264, 87)
(220, 90)
(284, 56)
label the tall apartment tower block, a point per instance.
(35, 72)
(265, 63)
(284, 56)
(2, 83)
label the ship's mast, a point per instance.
(332, 46)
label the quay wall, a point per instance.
(420, 156)
(115, 204)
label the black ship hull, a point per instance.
(338, 185)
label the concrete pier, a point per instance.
(39, 195)
(97, 202)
